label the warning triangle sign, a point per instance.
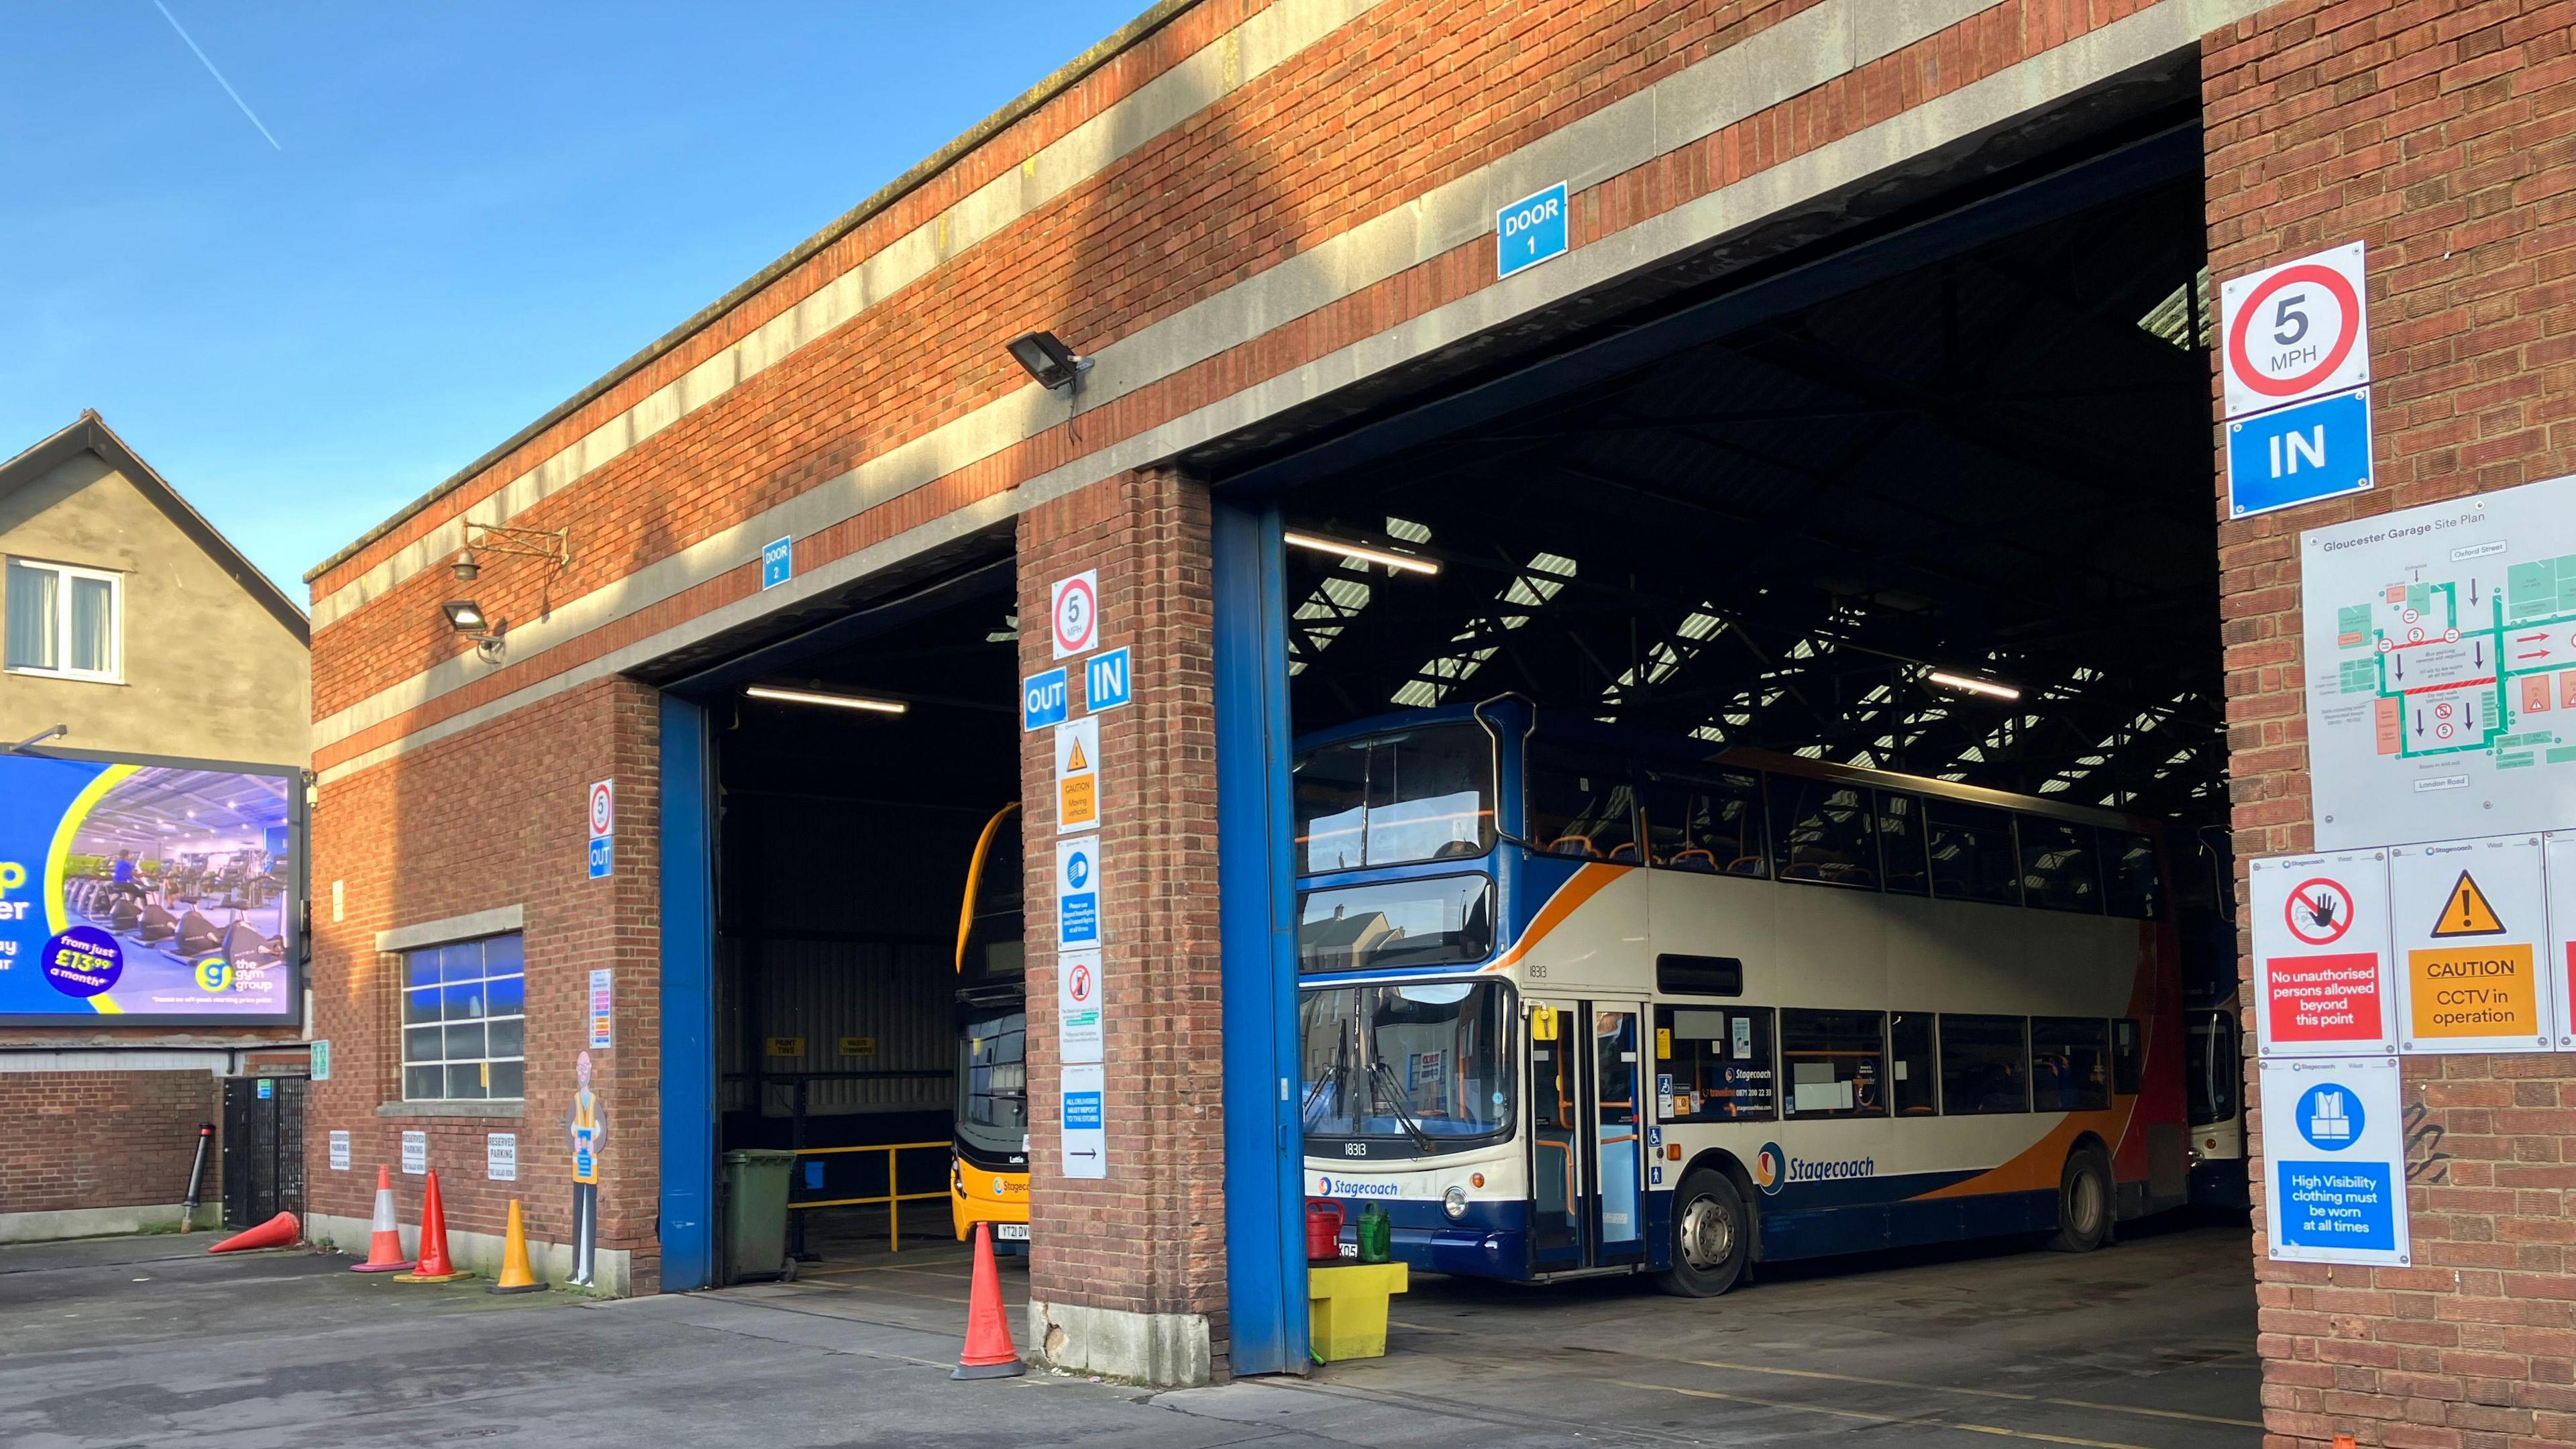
(2467, 913)
(1077, 762)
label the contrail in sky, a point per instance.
(218, 75)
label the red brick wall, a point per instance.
(104, 1139)
(494, 817)
(1150, 1237)
(2439, 134)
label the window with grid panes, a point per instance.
(465, 1021)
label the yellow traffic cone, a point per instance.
(515, 1277)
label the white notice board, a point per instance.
(2322, 973)
(2334, 1169)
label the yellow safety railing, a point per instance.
(892, 1200)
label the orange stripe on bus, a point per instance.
(1588, 882)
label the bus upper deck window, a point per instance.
(1582, 805)
(1821, 831)
(1902, 865)
(1972, 853)
(2060, 869)
(2130, 886)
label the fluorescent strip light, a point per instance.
(1404, 561)
(837, 701)
(1973, 685)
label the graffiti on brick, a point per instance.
(2425, 1161)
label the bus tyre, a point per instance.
(1711, 1234)
(2083, 1203)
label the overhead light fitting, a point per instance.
(1345, 549)
(554, 545)
(1044, 357)
(836, 701)
(1972, 685)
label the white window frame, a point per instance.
(64, 574)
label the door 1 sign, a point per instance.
(603, 826)
(2337, 1171)
(1077, 1005)
(1077, 891)
(2295, 331)
(2472, 928)
(1077, 776)
(1073, 614)
(2321, 957)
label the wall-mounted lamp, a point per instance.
(1346, 549)
(30, 742)
(1970, 684)
(836, 701)
(1044, 357)
(467, 618)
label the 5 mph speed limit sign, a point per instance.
(2295, 331)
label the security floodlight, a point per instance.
(1044, 357)
(467, 618)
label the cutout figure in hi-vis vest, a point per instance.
(585, 1127)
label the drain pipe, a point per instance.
(196, 1178)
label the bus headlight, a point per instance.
(1454, 1202)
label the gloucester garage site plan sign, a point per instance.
(2441, 669)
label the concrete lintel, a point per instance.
(453, 928)
(1164, 1350)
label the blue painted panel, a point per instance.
(688, 1004)
(1264, 1202)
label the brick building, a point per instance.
(1877, 340)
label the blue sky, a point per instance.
(471, 211)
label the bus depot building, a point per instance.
(1656, 640)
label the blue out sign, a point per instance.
(777, 562)
(1042, 700)
(2299, 454)
(1105, 681)
(1529, 231)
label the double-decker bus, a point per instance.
(1578, 999)
(988, 1179)
(2214, 1099)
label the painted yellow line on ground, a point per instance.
(1921, 1421)
(881, 1288)
(883, 1268)
(1753, 1368)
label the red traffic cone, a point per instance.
(989, 1352)
(384, 1249)
(280, 1231)
(434, 1265)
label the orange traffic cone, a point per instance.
(515, 1277)
(280, 1231)
(434, 1266)
(384, 1250)
(989, 1353)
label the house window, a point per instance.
(64, 621)
(465, 1022)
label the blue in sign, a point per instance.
(2299, 454)
(1529, 231)
(777, 562)
(1105, 681)
(1042, 700)
(599, 857)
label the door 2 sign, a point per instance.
(2322, 970)
(2472, 928)
(2295, 331)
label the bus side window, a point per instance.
(1972, 853)
(2059, 866)
(1581, 807)
(1902, 866)
(2070, 1068)
(1719, 1062)
(1820, 831)
(1985, 1065)
(1916, 1080)
(1835, 1062)
(1712, 826)
(2126, 1056)
(2129, 876)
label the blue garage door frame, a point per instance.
(688, 1000)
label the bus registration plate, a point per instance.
(1349, 1249)
(1011, 1232)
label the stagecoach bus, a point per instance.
(1577, 999)
(988, 1179)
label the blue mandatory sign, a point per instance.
(82, 961)
(2330, 1116)
(2299, 454)
(599, 857)
(1078, 896)
(1042, 700)
(1082, 1109)
(777, 562)
(1529, 231)
(2343, 1205)
(1106, 681)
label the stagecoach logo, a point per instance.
(1774, 1169)
(1327, 1185)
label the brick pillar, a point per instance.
(2438, 134)
(1127, 1272)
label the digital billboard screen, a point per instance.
(147, 893)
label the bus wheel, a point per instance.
(1710, 1236)
(2083, 1203)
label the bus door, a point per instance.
(1587, 1146)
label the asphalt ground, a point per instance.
(145, 1342)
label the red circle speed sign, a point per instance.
(2241, 363)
